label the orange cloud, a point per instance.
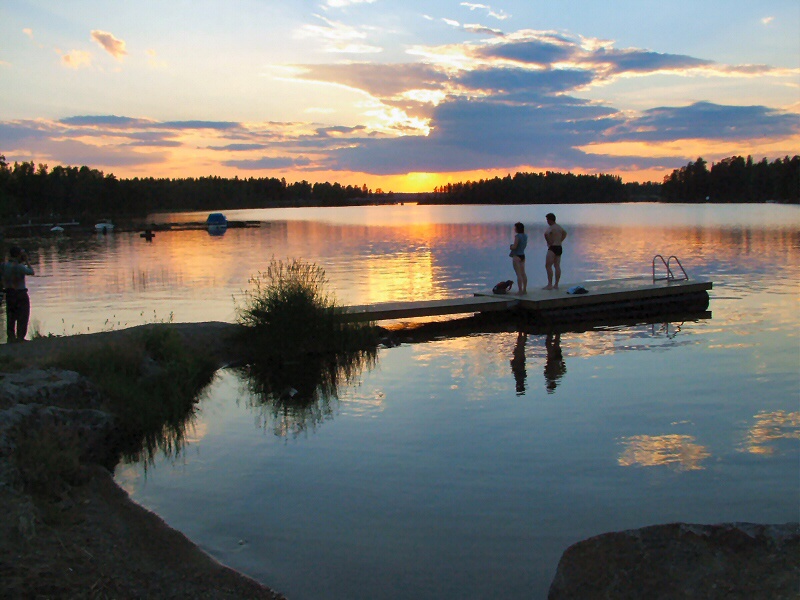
(115, 47)
(76, 59)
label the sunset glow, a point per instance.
(401, 97)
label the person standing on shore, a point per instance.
(517, 255)
(553, 235)
(18, 304)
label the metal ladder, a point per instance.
(670, 276)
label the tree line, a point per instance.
(735, 179)
(533, 188)
(63, 193)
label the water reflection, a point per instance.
(518, 363)
(554, 366)
(679, 452)
(769, 428)
(395, 256)
(294, 396)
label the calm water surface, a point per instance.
(465, 466)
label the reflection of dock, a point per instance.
(630, 295)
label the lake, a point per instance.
(464, 466)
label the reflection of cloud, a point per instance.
(115, 47)
(196, 431)
(770, 427)
(679, 452)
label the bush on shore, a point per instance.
(288, 312)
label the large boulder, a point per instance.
(730, 561)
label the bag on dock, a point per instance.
(502, 287)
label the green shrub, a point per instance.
(300, 348)
(288, 312)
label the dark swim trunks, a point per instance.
(557, 250)
(521, 256)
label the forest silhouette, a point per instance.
(28, 192)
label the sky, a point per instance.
(398, 95)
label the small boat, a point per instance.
(217, 223)
(105, 226)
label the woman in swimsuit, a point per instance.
(517, 255)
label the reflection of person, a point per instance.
(518, 363)
(18, 304)
(517, 255)
(553, 235)
(554, 367)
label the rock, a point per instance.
(48, 386)
(731, 561)
(36, 398)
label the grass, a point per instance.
(152, 383)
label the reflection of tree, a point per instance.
(294, 395)
(554, 367)
(518, 363)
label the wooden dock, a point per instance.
(632, 294)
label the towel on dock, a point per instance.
(577, 289)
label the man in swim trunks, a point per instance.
(553, 235)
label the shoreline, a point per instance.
(91, 539)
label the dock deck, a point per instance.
(629, 293)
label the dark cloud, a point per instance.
(107, 121)
(72, 152)
(12, 133)
(377, 79)
(239, 147)
(154, 144)
(281, 162)
(116, 122)
(707, 121)
(484, 135)
(220, 125)
(642, 61)
(537, 51)
(510, 81)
